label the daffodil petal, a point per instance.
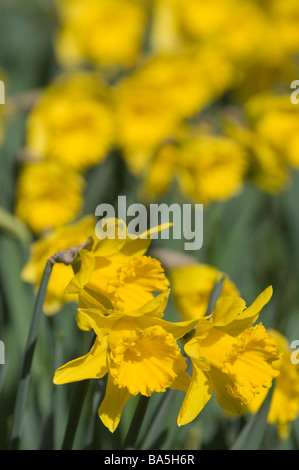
(249, 316)
(230, 404)
(93, 365)
(112, 405)
(84, 275)
(181, 382)
(93, 319)
(198, 394)
(227, 309)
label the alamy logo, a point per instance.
(186, 222)
(2, 353)
(295, 94)
(2, 92)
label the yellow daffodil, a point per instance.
(139, 351)
(270, 139)
(72, 122)
(116, 275)
(48, 195)
(105, 32)
(284, 407)
(213, 168)
(143, 119)
(192, 287)
(166, 89)
(275, 120)
(207, 167)
(230, 356)
(42, 249)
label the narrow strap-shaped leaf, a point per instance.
(23, 386)
(136, 423)
(252, 435)
(76, 407)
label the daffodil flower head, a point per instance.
(116, 274)
(48, 195)
(231, 356)
(139, 351)
(284, 407)
(106, 33)
(72, 122)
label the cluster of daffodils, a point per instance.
(147, 78)
(122, 294)
(185, 91)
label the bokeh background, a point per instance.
(190, 104)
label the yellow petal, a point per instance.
(247, 318)
(91, 366)
(181, 382)
(198, 394)
(112, 405)
(227, 309)
(84, 274)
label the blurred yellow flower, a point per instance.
(187, 80)
(269, 138)
(143, 120)
(106, 32)
(230, 356)
(192, 287)
(166, 89)
(48, 195)
(116, 275)
(207, 167)
(284, 406)
(139, 351)
(72, 122)
(275, 120)
(42, 249)
(212, 168)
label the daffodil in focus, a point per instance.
(72, 122)
(230, 356)
(116, 274)
(192, 287)
(284, 407)
(42, 249)
(48, 195)
(138, 350)
(105, 32)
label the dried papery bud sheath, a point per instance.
(172, 259)
(68, 256)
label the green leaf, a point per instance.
(253, 433)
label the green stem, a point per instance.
(136, 424)
(23, 386)
(77, 403)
